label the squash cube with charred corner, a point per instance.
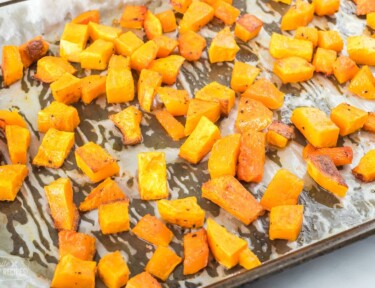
(148, 82)
(32, 50)
(249, 260)
(191, 45)
(348, 118)
(293, 70)
(77, 244)
(92, 87)
(196, 16)
(225, 12)
(175, 101)
(152, 230)
(95, 162)
(247, 27)
(60, 199)
(370, 123)
(97, 55)
(162, 263)
(300, 14)
(225, 246)
(168, 67)
(282, 46)
(129, 121)
(363, 84)
(167, 20)
(326, 7)
(51, 68)
(331, 40)
(243, 75)
(127, 43)
(200, 141)
(67, 89)
(344, 69)
(152, 175)
(279, 134)
(73, 41)
(286, 222)
(365, 170)
(152, 25)
(18, 141)
(74, 272)
(87, 17)
(59, 116)
(54, 149)
(106, 33)
(307, 33)
(184, 212)
(144, 55)
(113, 270)
(170, 124)
(196, 251)
(11, 65)
(323, 60)
(339, 155)
(223, 47)
(11, 179)
(143, 279)
(114, 217)
(165, 45)
(133, 16)
(218, 93)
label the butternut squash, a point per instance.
(324, 60)
(243, 75)
(67, 89)
(79, 245)
(11, 65)
(330, 40)
(370, 20)
(196, 251)
(162, 263)
(73, 41)
(365, 170)
(104, 32)
(129, 121)
(152, 25)
(127, 43)
(363, 84)
(279, 134)
(176, 102)
(114, 217)
(197, 15)
(370, 123)
(87, 17)
(307, 33)
(348, 118)
(165, 45)
(148, 82)
(344, 69)
(170, 124)
(143, 279)
(92, 87)
(167, 20)
(113, 270)
(11, 118)
(225, 12)
(11, 179)
(300, 14)
(293, 70)
(284, 47)
(133, 16)
(286, 222)
(326, 7)
(180, 5)
(97, 55)
(249, 260)
(191, 45)
(223, 47)
(339, 155)
(18, 141)
(51, 68)
(32, 50)
(168, 67)
(247, 27)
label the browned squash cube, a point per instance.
(67, 89)
(32, 50)
(286, 222)
(113, 270)
(293, 70)
(133, 16)
(330, 40)
(97, 55)
(196, 16)
(114, 217)
(363, 84)
(196, 251)
(148, 82)
(170, 124)
(162, 263)
(175, 101)
(18, 141)
(370, 123)
(168, 67)
(128, 121)
(144, 55)
(365, 170)
(243, 75)
(225, 12)
(51, 68)
(223, 47)
(191, 45)
(167, 20)
(348, 118)
(307, 33)
(11, 65)
(247, 27)
(92, 87)
(344, 69)
(77, 244)
(324, 60)
(127, 43)
(11, 179)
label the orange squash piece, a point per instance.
(191, 45)
(133, 16)
(128, 121)
(18, 141)
(148, 82)
(365, 170)
(330, 40)
(293, 70)
(176, 102)
(279, 134)
(113, 270)
(180, 5)
(266, 92)
(152, 25)
(51, 68)
(95, 162)
(165, 45)
(92, 87)
(196, 16)
(249, 260)
(223, 47)
(97, 55)
(370, 123)
(168, 67)
(286, 222)
(67, 89)
(167, 20)
(252, 115)
(284, 47)
(307, 33)
(73, 41)
(11, 179)
(344, 69)
(174, 128)
(300, 14)
(114, 217)
(32, 50)
(348, 118)
(363, 84)
(361, 49)
(243, 75)
(143, 279)
(324, 60)
(144, 55)
(11, 118)
(326, 7)
(196, 251)
(339, 155)
(11, 65)
(247, 27)
(252, 156)
(152, 230)
(60, 199)
(228, 193)
(127, 43)
(225, 12)
(162, 263)
(106, 192)
(87, 17)
(104, 32)
(365, 7)
(79, 245)
(284, 189)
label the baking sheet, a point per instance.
(28, 240)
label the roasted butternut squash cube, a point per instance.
(284, 1)
(167, 20)
(225, 12)
(176, 102)
(79, 245)
(73, 41)
(344, 69)
(148, 82)
(247, 27)
(168, 67)
(365, 170)
(162, 263)
(133, 16)
(223, 47)
(348, 118)
(252, 156)
(11, 179)
(196, 251)
(60, 199)
(227, 192)
(326, 7)
(339, 155)
(370, 123)
(197, 15)
(218, 93)
(318, 129)
(183, 212)
(363, 84)
(152, 175)
(283, 46)
(95, 162)
(279, 134)
(92, 87)
(322, 169)
(224, 156)
(129, 123)
(284, 189)
(298, 15)
(324, 60)
(266, 92)
(170, 124)
(119, 83)
(330, 40)
(127, 43)
(106, 192)
(11, 118)
(307, 33)
(143, 279)
(74, 272)
(152, 25)
(97, 55)
(113, 270)
(87, 17)
(32, 50)
(286, 222)
(11, 65)
(165, 45)
(200, 141)
(67, 89)
(293, 70)
(249, 260)
(180, 5)
(51, 68)
(54, 149)
(191, 45)
(370, 20)
(18, 141)
(365, 7)
(144, 55)
(152, 230)
(114, 217)
(252, 115)
(59, 116)
(106, 33)
(243, 75)
(225, 246)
